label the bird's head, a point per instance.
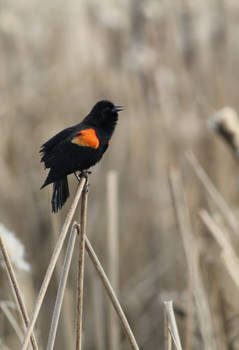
(104, 113)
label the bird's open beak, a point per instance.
(117, 108)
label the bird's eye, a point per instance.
(106, 111)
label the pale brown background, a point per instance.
(171, 64)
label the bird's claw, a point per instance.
(83, 173)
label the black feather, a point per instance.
(60, 194)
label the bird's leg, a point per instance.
(83, 173)
(77, 176)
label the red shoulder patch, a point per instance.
(86, 138)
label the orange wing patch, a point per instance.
(86, 138)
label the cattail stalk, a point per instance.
(62, 287)
(81, 267)
(52, 264)
(16, 291)
(111, 294)
(113, 253)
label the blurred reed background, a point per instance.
(171, 64)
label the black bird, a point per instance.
(78, 148)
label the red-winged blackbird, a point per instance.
(78, 148)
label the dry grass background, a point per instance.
(171, 64)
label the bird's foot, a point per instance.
(83, 173)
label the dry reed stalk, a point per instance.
(111, 294)
(167, 335)
(228, 253)
(81, 266)
(113, 254)
(67, 328)
(192, 256)
(62, 287)
(213, 192)
(16, 291)
(99, 322)
(52, 263)
(12, 321)
(172, 325)
(190, 316)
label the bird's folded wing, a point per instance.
(86, 138)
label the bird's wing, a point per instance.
(64, 144)
(54, 145)
(86, 138)
(57, 139)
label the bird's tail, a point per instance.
(60, 194)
